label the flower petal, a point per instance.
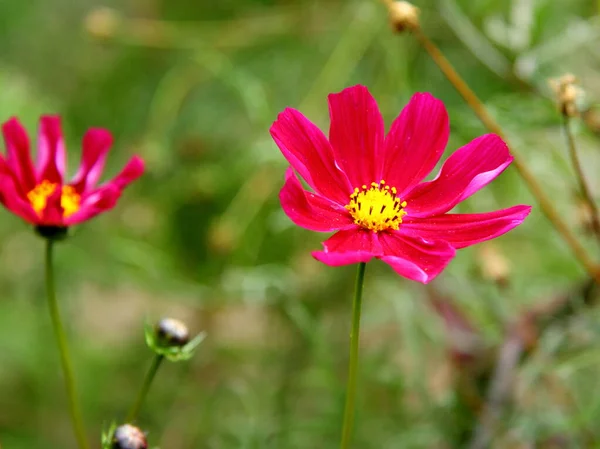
(470, 168)
(309, 210)
(132, 171)
(103, 199)
(96, 143)
(18, 154)
(53, 213)
(307, 150)
(414, 257)
(461, 230)
(416, 142)
(357, 134)
(51, 157)
(348, 247)
(11, 198)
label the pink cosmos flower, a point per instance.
(38, 192)
(369, 186)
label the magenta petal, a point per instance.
(103, 199)
(11, 198)
(53, 213)
(357, 134)
(309, 210)
(51, 157)
(414, 257)
(349, 246)
(462, 230)
(132, 171)
(416, 142)
(465, 172)
(96, 143)
(307, 150)
(18, 154)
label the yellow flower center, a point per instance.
(376, 207)
(69, 199)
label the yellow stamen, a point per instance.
(69, 199)
(376, 208)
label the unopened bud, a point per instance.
(494, 265)
(403, 16)
(102, 23)
(129, 437)
(567, 94)
(172, 333)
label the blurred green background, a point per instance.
(193, 86)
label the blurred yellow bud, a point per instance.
(403, 16)
(567, 93)
(494, 265)
(102, 22)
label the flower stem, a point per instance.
(353, 362)
(137, 405)
(583, 184)
(61, 341)
(477, 106)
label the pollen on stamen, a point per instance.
(383, 209)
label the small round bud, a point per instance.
(172, 332)
(403, 16)
(102, 23)
(129, 437)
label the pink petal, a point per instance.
(462, 230)
(309, 210)
(52, 215)
(465, 172)
(357, 135)
(96, 143)
(307, 150)
(132, 171)
(414, 257)
(348, 247)
(11, 198)
(51, 157)
(416, 142)
(18, 154)
(95, 203)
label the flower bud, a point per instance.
(494, 265)
(129, 437)
(403, 16)
(102, 23)
(567, 94)
(172, 333)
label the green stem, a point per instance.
(353, 363)
(135, 409)
(584, 187)
(61, 341)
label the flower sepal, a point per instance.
(174, 348)
(54, 233)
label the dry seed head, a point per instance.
(567, 93)
(403, 16)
